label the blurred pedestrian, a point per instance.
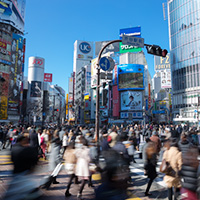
(150, 164)
(174, 157)
(24, 158)
(82, 165)
(189, 174)
(55, 157)
(70, 165)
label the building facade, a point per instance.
(184, 35)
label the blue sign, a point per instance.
(130, 77)
(104, 63)
(134, 31)
(85, 47)
(158, 112)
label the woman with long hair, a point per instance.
(150, 165)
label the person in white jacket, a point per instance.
(82, 166)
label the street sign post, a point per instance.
(104, 63)
(107, 63)
(134, 41)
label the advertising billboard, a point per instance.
(83, 50)
(111, 48)
(4, 96)
(131, 100)
(13, 12)
(48, 77)
(15, 72)
(94, 70)
(116, 99)
(166, 79)
(70, 89)
(134, 31)
(131, 77)
(162, 63)
(36, 90)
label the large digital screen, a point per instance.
(130, 77)
(131, 100)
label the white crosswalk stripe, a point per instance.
(139, 170)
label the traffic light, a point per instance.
(104, 97)
(56, 110)
(156, 50)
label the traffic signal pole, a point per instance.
(98, 95)
(98, 85)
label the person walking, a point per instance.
(55, 158)
(150, 164)
(154, 138)
(82, 165)
(189, 174)
(70, 165)
(174, 157)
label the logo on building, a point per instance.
(85, 47)
(37, 61)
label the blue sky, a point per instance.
(53, 26)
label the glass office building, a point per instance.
(184, 35)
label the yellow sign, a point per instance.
(3, 108)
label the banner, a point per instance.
(115, 101)
(4, 96)
(36, 90)
(131, 100)
(130, 77)
(48, 77)
(16, 74)
(166, 79)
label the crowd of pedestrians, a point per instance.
(76, 147)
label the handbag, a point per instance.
(166, 168)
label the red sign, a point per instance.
(115, 101)
(47, 77)
(37, 61)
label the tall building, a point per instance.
(11, 59)
(184, 35)
(83, 54)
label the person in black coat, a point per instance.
(184, 143)
(34, 139)
(150, 165)
(189, 173)
(24, 157)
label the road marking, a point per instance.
(5, 155)
(140, 172)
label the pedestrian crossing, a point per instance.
(138, 169)
(5, 160)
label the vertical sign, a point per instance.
(149, 96)
(16, 73)
(115, 101)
